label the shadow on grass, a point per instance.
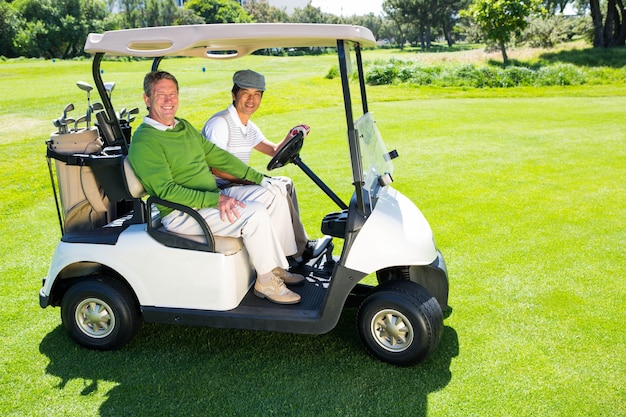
(588, 57)
(189, 371)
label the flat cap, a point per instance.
(249, 79)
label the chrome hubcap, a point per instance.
(95, 318)
(392, 330)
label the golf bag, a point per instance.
(84, 205)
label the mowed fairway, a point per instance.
(524, 189)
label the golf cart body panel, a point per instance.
(132, 266)
(396, 215)
(160, 275)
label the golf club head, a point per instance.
(109, 87)
(81, 119)
(63, 125)
(131, 112)
(57, 124)
(84, 86)
(67, 109)
(97, 106)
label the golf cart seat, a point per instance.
(206, 242)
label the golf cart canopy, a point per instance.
(237, 39)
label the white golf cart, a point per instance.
(116, 266)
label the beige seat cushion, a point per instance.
(224, 245)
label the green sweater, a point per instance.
(175, 165)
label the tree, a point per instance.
(613, 31)
(399, 23)
(56, 29)
(498, 20)
(159, 13)
(262, 12)
(310, 14)
(219, 11)
(418, 18)
(187, 17)
(130, 11)
(10, 21)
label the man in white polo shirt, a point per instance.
(231, 129)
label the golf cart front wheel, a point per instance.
(400, 323)
(100, 313)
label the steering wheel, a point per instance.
(287, 152)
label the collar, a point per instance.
(233, 114)
(158, 125)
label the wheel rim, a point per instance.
(392, 330)
(95, 318)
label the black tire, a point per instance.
(100, 313)
(400, 323)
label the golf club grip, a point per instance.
(105, 128)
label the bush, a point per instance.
(382, 75)
(520, 76)
(485, 76)
(546, 32)
(333, 72)
(560, 74)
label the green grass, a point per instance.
(524, 190)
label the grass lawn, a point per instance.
(524, 189)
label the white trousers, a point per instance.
(300, 235)
(264, 225)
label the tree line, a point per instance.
(58, 28)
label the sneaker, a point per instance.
(276, 291)
(288, 277)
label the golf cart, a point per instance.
(116, 265)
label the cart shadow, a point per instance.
(179, 371)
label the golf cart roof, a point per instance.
(229, 40)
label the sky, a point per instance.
(349, 7)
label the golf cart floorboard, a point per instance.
(312, 294)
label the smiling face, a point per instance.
(246, 102)
(163, 101)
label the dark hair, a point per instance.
(153, 77)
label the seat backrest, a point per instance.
(135, 188)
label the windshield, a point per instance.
(376, 160)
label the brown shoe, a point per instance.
(289, 277)
(276, 291)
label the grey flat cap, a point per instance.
(249, 79)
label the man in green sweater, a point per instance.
(173, 162)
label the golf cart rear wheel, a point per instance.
(400, 323)
(100, 313)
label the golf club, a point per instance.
(87, 87)
(81, 119)
(67, 109)
(109, 88)
(131, 112)
(57, 124)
